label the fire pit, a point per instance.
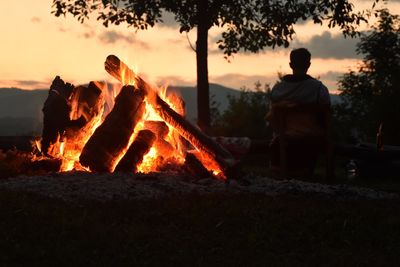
(82, 185)
(135, 128)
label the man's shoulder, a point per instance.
(302, 89)
(314, 83)
(292, 81)
(295, 78)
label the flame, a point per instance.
(154, 158)
(149, 159)
(37, 146)
(69, 147)
(167, 149)
(131, 139)
(128, 77)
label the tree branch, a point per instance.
(190, 43)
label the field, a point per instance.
(201, 230)
(193, 230)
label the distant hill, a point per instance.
(21, 110)
(21, 103)
(218, 92)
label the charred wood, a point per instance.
(15, 162)
(88, 101)
(46, 165)
(134, 156)
(161, 130)
(56, 112)
(112, 137)
(87, 104)
(194, 167)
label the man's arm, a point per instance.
(324, 96)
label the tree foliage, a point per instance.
(249, 25)
(371, 94)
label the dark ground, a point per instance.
(204, 230)
(192, 230)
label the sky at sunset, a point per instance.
(36, 46)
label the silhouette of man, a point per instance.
(304, 101)
(300, 87)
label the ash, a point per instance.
(73, 186)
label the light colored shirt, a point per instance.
(302, 91)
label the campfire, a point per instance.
(135, 128)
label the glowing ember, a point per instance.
(148, 161)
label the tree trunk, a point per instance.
(203, 105)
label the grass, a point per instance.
(193, 230)
(200, 230)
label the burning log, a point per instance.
(194, 135)
(134, 156)
(163, 147)
(112, 137)
(179, 103)
(56, 111)
(179, 107)
(87, 104)
(194, 167)
(88, 101)
(45, 165)
(159, 128)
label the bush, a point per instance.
(245, 115)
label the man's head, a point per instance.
(300, 60)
